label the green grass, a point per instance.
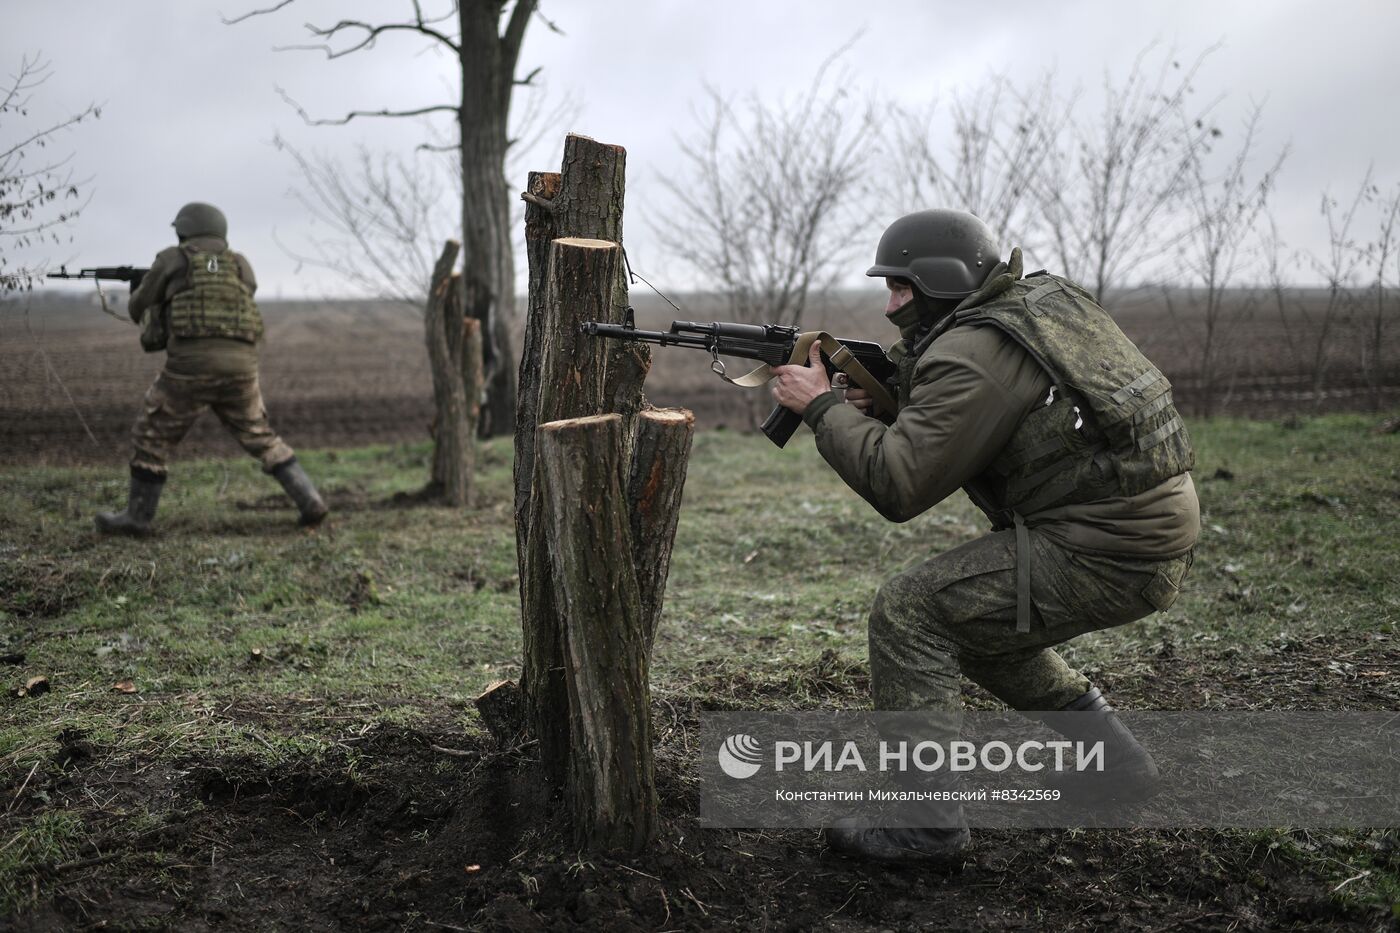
(402, 614)
(411, 610)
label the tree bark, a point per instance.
(592, 570)
(487, 62)
(449, 356)
(472, 384)
(611, 778)
(590, 204)
(661, 455)
(584, 199)
(570, 385)
(540, 231)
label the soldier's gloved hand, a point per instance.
(796, 386)
(861, 399)
(136, 278)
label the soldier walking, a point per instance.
(1022, 391)
(196, 304)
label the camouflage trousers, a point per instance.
(956, 613)
(174, 402)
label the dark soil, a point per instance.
(429, 830)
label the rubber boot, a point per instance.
(302, 491)
(141, 502)
(941, 841)
(935, 846)
(1129, 773)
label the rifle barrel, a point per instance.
(623, 332)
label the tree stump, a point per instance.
(454, 355)
(661, 455)
(595, 524)
(586, 527)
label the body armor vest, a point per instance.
(216, 302)
(1108, 427)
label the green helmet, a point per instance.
(945, 254)
(200, 219)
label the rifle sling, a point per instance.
(842, 358)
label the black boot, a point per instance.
(938, 846)
(1129, 773)
(940, 840)
(302, 491)
(142, 499)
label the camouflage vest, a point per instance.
(216, 302)
(1108, 428)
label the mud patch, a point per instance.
(423, 830)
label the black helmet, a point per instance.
(199, 219)
(945, 254)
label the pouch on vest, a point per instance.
(1110, 428)
(155, 329)
(216, 302)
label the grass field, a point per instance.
(287, 689)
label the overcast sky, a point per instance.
(189, 108)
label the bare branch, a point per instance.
(371, 33)
(1222, 212)
(765, 207)
(386, 216)
(550, 24)
(418, 112)
(251, 13)
(37, 194)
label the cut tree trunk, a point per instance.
(661, 454)
(585, 201)
(454, 350)
(585, 524)
(597, 500)
(570, 384)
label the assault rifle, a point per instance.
(863, 362)
(130, 274)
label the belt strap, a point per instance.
(1023, 575)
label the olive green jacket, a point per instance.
(968, 392)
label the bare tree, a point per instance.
(1286, 299)
(1102, 196)
(1222, 211)
(1378, 254)
(38, 194)
(487, 54)
(1338, 268)
(1000, 138)
(385, 215)
(761, 212)
(765, 210)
